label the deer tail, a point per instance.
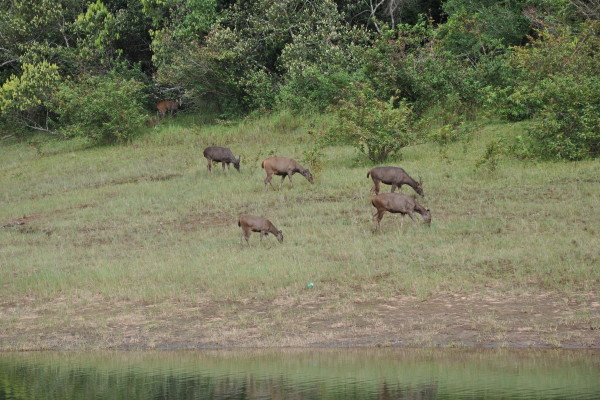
(262, 165)
(239, 223)
(368, 174)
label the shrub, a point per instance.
(375, 128)
(568, 126)
(562, 52)
(25, 100)
(101, 108)
(314, 90)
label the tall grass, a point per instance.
(146, 222)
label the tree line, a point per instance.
(94, 69)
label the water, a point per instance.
(302, 374)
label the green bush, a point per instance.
(375, 128)
(102, 109)
(414, 61)
(313, 89)
(568, 125)
(563, 52)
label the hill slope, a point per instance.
(137, 246)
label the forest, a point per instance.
(96, 70)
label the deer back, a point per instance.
(167, 106)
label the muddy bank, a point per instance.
(539, 321)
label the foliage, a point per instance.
(478, 28)
(238, 58)
(557, 86)
(376, 128)
(564, 53)
(313, 158)
(103, 109)
(260, 49)
(177, 23)
(568, 125)
(97, 30)
(375, 15)
(32, 26)
(25, 100)
(313, 89)
(491, 156)
(412, 60)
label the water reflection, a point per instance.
(302, 374)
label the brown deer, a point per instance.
(283, 167)
(251, 223)
(394, 176)
(167, 106)
(222, 155)
(398, 203)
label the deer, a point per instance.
(167, 106)
(222, 155)
(394, 176)
(252, 223)
(283, 167)
(399, 203)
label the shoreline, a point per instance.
(492, 321)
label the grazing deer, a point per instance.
(394, 176)
(398, 203)
(167, 106)
(222, 155)
(251, 223)
(283, 167)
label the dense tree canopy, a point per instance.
(457, 56)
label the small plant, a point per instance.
(314, 158)
(491, 156)
(375, 128)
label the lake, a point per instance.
(387, 373)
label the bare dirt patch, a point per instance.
(196, 221)
(491, 320)
(26, 219)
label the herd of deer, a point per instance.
(287, 167)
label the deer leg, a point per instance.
(376, 186)
(410, 214)
(393, 187)
(209, 165)
(264, 234)
(281, 183)
(378, 216)
(268, 181)
(290, 178)
(245, 235)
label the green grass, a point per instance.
(146, 222)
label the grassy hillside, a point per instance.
(84, 230)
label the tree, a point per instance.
(102, 109)
(26, 100)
